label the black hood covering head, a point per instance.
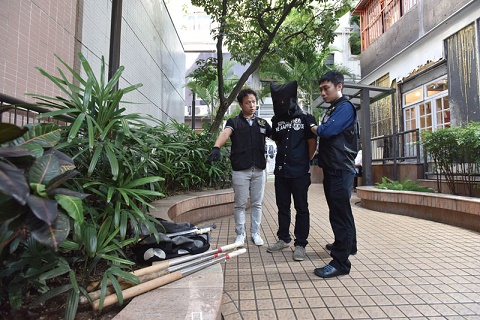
(284, 97)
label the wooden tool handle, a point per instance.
(140, 272)
(139, 289)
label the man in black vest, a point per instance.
(295, 148)
(247, 133)
(337, 149)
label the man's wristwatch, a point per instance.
(312, 125)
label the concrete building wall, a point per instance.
(412, 42)
(31, 32)
(399, 55)
(416, 24)
(429, 43)
(151, 51)
(341, 46)
(434, 13)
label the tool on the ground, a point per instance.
(163, 280)
(161, 269)
(201, 230)
(149, 276)
(169, 263)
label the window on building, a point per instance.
(391, 13)
(381, 123)
(408, 4)
(427, 107)
(425, 116)
(381, 111)
(199, 22)
(376, 17)
(442, 112)
(414, 96)
(409, 138)
(330, 60)
(410, 118)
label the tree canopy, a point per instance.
(259, 30)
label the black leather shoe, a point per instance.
(328, 271)
(329, 247)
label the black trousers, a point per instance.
(337, 185)
(285, 188)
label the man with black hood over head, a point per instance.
(296, 146)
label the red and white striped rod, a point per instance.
(163, 280)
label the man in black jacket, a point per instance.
(295, 148)
(247, 133)
(337, 149)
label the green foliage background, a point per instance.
(455, 153)
(114, 165)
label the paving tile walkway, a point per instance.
(405, 268)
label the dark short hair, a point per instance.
(332, 76)
(245, 92)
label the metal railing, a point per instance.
(399, 147)
(20, 113)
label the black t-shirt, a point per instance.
(293, 158)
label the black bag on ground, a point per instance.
(149, 250)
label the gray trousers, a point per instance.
(250, 182)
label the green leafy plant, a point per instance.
(354, 38)
(120, 185)
(96, 141)
(455, 153)
(122, 164)
(267, 28)
(406, 185)
(181, 155)
(35, 208)
(32, 172)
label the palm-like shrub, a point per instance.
(120, 187)
(181, 156)
(122, 163)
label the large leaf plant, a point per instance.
(35, 208)
(100, 139)
(115, 154)
(96, 140)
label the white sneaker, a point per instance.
(240, 240)
(257, 239)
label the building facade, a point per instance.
(33, 31)
(428, 52)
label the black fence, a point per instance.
(401, 147)
(20, 113)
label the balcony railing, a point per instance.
(20, 113)
(377, 16)
(400, 147)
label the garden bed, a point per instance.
(454, 210)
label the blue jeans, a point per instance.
(285, 188)
(337, 185)
(250, 182)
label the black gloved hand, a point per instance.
(311, 120)
(214, 155)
